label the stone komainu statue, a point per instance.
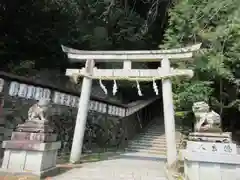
(39, 111)
(37, 120)
(205, 119)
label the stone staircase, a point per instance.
(151, 141)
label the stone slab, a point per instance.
(41, 137)
(31, 145)
(214, 134)
(211, 137)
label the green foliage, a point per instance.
(216, 24)
(187, 93)
(34, 30)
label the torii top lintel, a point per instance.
(137, 56)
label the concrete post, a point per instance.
(169, 120)
(83, 105)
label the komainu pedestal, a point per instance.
(33, 147)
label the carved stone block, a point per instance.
(220, 160)
(212, 147)
(30, 145)
(31, 126)
(29, 136)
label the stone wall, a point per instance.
(108, 125)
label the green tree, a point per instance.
(216, 24)
(34, 30)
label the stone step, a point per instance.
(164, 148)
(150, 139)
(145, 155)
(149, 145)
(148, 148)
(135, 145)
(158, 152)
(156, 128)
(153, 140)
(157, 144)
(151, 135)
(147, 142)
(155, 132)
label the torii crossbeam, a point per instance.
(134, 56)
(165, 72)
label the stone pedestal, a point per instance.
(30, 153)
(215, 161)
(223, 137)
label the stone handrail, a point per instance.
(138, 105)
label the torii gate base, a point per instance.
(166, 72)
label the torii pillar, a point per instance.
(169, 120)
(81, 120)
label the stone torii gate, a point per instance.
(165, 72)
